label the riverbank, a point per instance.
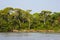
(44, 31)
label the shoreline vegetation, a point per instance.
(19, 20)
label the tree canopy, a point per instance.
(17, 19)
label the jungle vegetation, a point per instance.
(17, 19)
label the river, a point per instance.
(29, 36)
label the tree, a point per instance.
(28, 16)
(45, 15)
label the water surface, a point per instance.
(29, 36)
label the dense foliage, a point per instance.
(17, 19)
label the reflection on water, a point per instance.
(29, 36)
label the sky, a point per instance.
(34, 5)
